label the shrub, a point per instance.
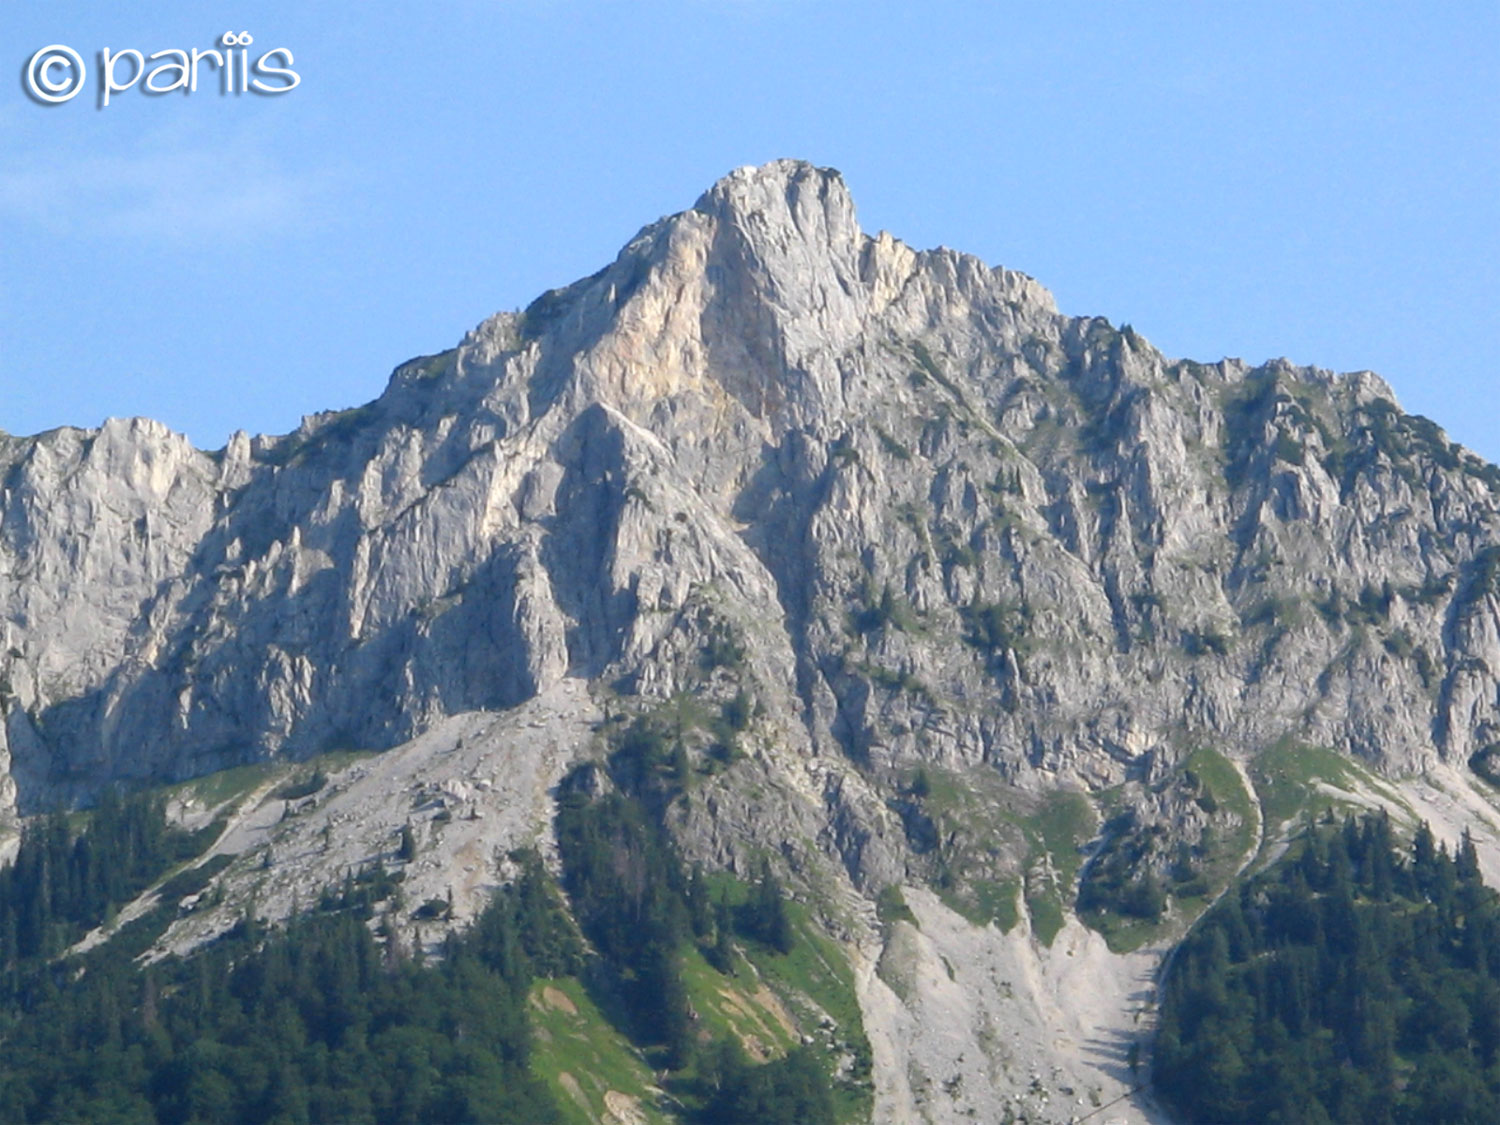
(996, 626)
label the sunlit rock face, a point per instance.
(889, 509)
(866, 458)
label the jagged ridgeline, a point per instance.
(1002, 642)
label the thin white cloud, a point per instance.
(172, 189)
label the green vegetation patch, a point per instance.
(298, 779)
(299, 787)
(1045, 905)
(985, 843)
(883, 610)
(890, 906)
(1057, 832)
(1138, 873)
(814, 982)
(996, 902)
(996, 627)
(1292, 780)
(735, 1006)
(1356, 980)
(1222, 784)
(215, 789)
(666, 750)
(1062, 825)
(582, 1058)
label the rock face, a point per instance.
(910, 510)
(953, 525)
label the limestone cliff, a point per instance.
(919, 518)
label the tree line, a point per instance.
(331, 1017)
(1357, 980)
(642, 911)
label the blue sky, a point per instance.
(1314, 180)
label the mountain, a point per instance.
(1011, 640)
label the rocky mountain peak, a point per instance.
(795, 194)
(727, 320)
(758, 398)
(904, 562)
(731, 306)
(791, 226)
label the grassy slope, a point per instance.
(1046, 836)
(1229, 856)
(582, 1058)
(1295, 781)
(768, 1004)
